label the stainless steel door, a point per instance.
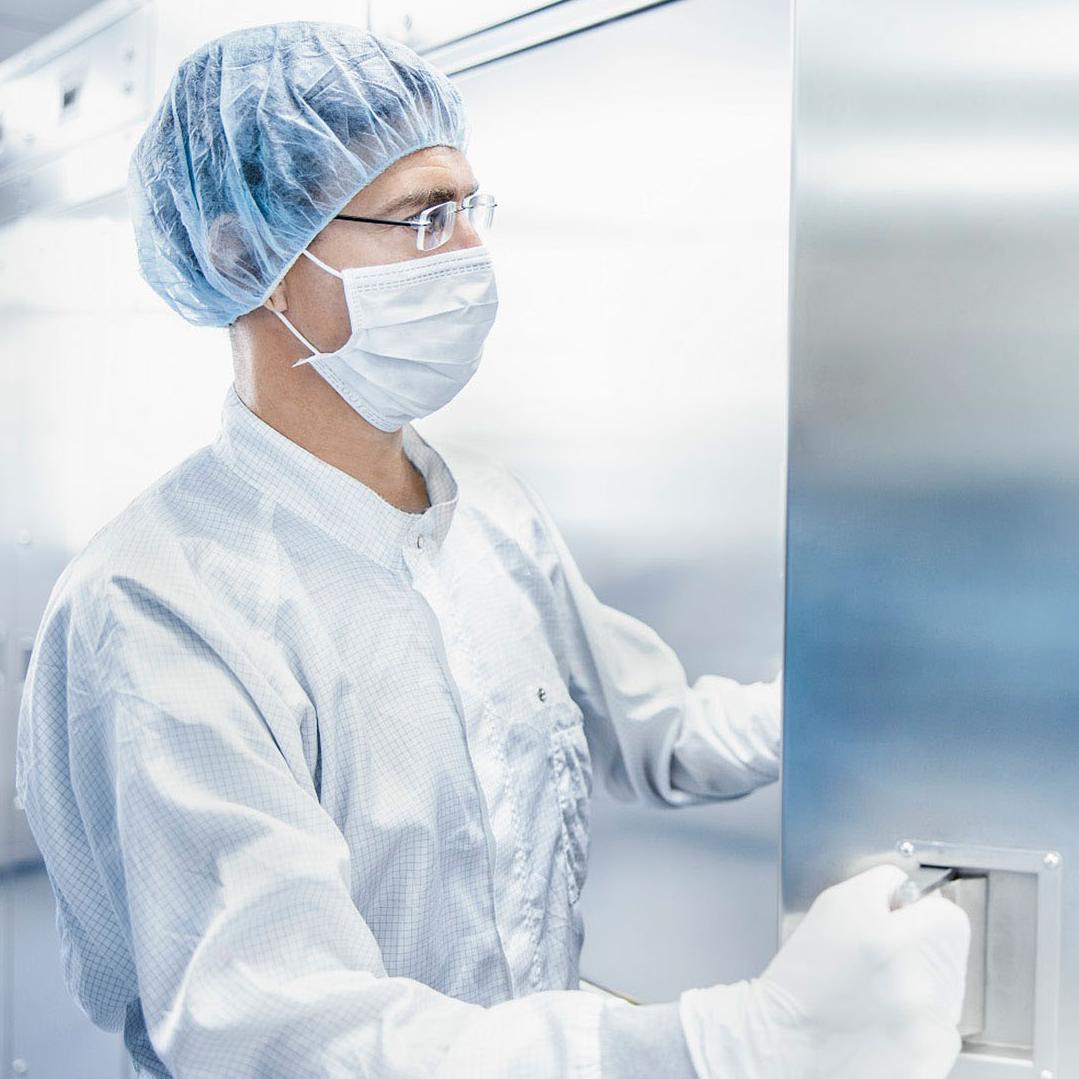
(932, 651)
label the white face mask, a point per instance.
(418, 329)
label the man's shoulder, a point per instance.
(178, 503)
(145, 543)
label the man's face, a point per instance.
(314, 299)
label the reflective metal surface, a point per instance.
(63, 140)
(932, 649)
(426, 24)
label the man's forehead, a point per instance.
(420, 180)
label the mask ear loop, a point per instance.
(299, 337)
(292, 329)
(319, 262)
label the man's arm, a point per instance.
(654, 736)
(251, 958)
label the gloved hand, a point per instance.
(858, 990)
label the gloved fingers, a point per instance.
(937, 920)
(937, 937)
(870, 890)
(933, 1053)
(927, 991)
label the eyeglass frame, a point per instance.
(421, 222)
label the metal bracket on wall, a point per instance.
(983, 1057)
(557, 20)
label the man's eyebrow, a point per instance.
(420, 199)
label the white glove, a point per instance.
(857, 990)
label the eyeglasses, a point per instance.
(434, 226)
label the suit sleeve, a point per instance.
(252, 959)
(653, 736)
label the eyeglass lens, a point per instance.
(479, 209)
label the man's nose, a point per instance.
(464, 234)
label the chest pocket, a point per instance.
(527, 687)
(571, 775)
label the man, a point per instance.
(310, 728)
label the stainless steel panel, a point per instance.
(90, 171)
(422, 24)
(55, 101)
(426, 25)
(932, 647)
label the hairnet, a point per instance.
(263, 136)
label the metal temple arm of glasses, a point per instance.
(380, 221)
(415, 224)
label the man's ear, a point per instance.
(277, 300)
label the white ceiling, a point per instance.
(24, 21)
